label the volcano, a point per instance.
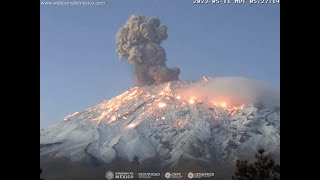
(155, 125)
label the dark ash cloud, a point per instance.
(139, 41)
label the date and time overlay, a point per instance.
(236, 1)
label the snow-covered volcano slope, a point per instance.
(155, 122)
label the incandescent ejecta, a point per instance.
(139, 41)
(163, 128)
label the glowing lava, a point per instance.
(221, 104)
(192, 100)
(69, 116)
(226, 104)
(113, 118)
(148, 103)
(162, 105)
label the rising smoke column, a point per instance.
(139, 41)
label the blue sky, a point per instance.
(80, 67)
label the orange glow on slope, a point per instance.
(192, 100)
(69, 116)
(162, 105)
(113, 118)
(221, 104)
(226, 104)
(149, 102)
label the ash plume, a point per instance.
(139, 41)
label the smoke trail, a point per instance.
(138, 41)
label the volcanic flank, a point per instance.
(156, 123)
(164, 123)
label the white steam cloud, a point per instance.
(235, 90)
